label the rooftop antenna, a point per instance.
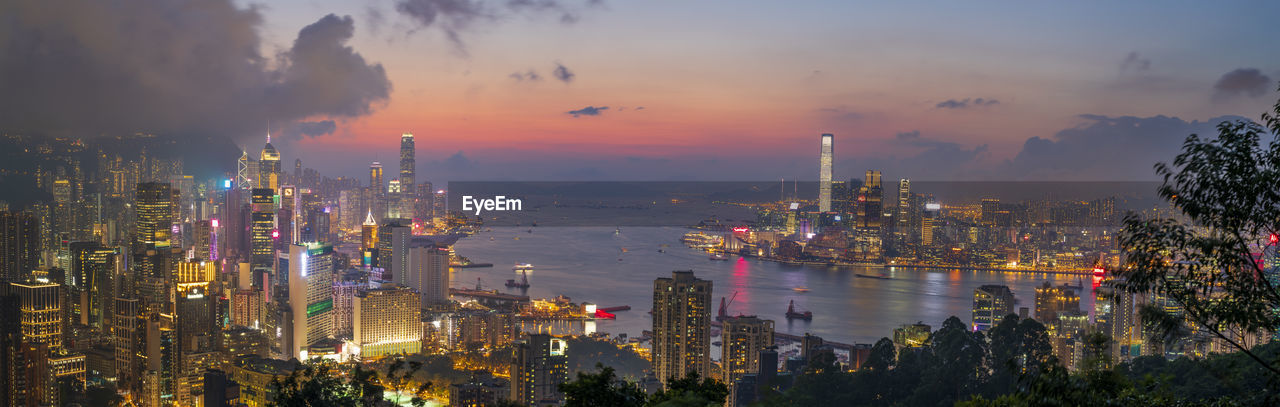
(268, 131)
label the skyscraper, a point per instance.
(154, 208)
(269, 166)
(310, 295)
(93, 267)
(904, 208)
(425, 267)
(743, 337)
(387, 320)
(407, 170)
(991, 303)
(19, 245)
(681, 326)
(825, 158)
(262, 229)
(538, 367)
(375, 179)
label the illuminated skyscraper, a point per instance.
(244, 176)
(262, 228)
(681, 326)
(408, 188)
(387, 320)
(744, 338)
(825, 158)
(93, 267)
(369, 232)
(904, 207)
(19, 245)
(154, 208)
(991, 303)
(269, 166)
(310, 295)
(538, 368)
(375, 179)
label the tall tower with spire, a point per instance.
(269, 166)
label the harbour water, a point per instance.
(613, 267)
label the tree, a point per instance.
(883, 355)
(321, 383)
(1226, 189)
(601, 389)
(690, 391)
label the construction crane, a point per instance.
(724, 308)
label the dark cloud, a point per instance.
(562, 73)
(965, 103)
(455, 16)
(1135, 62)
(529, 75)
(459, 161)
(311, 128)
(1107, 148)
(1243, 81)
(85, 67)
(588, 111)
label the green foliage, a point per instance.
(691, 391)
(324, 383)
(601, 389)
(1226, 188)
(585, 353)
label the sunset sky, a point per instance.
(741, 90)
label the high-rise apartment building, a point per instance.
(387, 320)
(743, 338)
(1051, 300)
(681, 326)
(991, 303)
(538, 367)
(425, 268)
(19, 245)
(826, 157)
(310, 295)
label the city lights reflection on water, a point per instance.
(588, 264)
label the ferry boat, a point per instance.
(793, 314)
(522, 267)
(801, 289)
(719, 257)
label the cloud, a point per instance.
(965, 103)
(1247, 81)
(562, 73)
(1135, 62)
(840, 113)
(455, 16)
(459, 161)
(529, 75)
(86, 67)
(311, 128)
(1107, 148)
(588, 111)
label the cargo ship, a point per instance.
(793, 314)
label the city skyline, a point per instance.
(1027, 96)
